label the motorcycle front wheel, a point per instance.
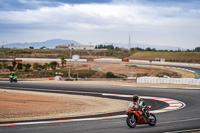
(131, 121)
(153, 123)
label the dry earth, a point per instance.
(132, 70)
(122, 70)
(23, 105)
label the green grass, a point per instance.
(189, 57)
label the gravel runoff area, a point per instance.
(27, 105)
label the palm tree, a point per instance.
(14, 63)
(54, 64)
(46, 66)
(63, 61)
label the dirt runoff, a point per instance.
(27, 105)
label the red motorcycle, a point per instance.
(135, 116)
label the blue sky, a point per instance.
(158, 22)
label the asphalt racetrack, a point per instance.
(181, 120)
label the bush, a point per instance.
(19, 66)
(83, 73)
(27, 66)
(110, 75)
(54, 64)
(35, 66)
(10, 68)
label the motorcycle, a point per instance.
(13, 78)
(136, 116)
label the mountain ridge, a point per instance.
(48, 43)
(54, 42)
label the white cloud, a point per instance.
(148, 24)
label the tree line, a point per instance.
(36, 66)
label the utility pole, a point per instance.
(69, 61)
(3, 45)
(90, 47)
(129, 42)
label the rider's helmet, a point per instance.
(135, 98)
(12, 73)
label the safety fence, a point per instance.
(158, 80)
(147, 61)
(107, 59)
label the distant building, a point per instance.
(75, 47)
(62, 47)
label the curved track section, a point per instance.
(173, 105)
(185, 119)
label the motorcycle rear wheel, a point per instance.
(131, 121)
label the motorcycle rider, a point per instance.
(12, 74)
(140, 103)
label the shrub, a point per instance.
(27, 66)
(110, 75)
(35, 66)
(20, 66)
(54, 64)
(10, 68)
(14, 63)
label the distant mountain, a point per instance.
(143, 46)
(54, 42)
(49, 44)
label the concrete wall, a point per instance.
(157, 80)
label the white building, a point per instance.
(76, 47)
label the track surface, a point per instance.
(184, 119)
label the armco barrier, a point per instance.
(157, 80)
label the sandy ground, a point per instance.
(23, 105)
(124, 70)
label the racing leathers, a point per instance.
(140, 103)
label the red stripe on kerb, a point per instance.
(9, 124)
(114, 95)
(167, 100)
(108, 117)
(175, 106)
